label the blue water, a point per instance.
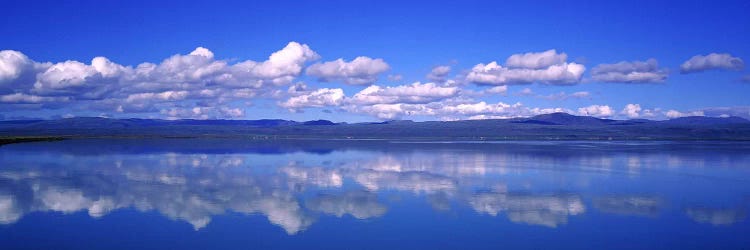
(231, 193)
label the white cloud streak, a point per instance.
(711, 61)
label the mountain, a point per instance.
(555, 126)
(705, 121)
(565, 119)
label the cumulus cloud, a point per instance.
(596, 110)
(14, 65)
(538, 60)
(677, 114)
(414, 93)
(452, 109)
(360, 71)
(318, 98)
(174, 86)
(630, 72)
(497, 90)
(632, 110)
(439, 74)
(711, 61)
(546, 67)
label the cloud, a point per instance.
(439, 74)
(395, 77)
(14, 67)
(525, 92)
(740, 111)
(318, 98)
(497, 90)
(630, 72)
(632, 110)
(360, 71)
(596, 110)
(20, 98)
(452, 109)
(677, 114)
(711, 61)
(414, 93)
(194, 79)
(537, 60)
(547, 67)
(561, 96)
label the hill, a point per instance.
(556, 126)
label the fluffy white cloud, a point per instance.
(497, 90)
(451, 109)
(536, 60)
(439, 73)
(202, 113)
(170, 86)
(547, 67)
(677, 114)
(12, 65)
(360, 71)
(632, 110)
(414, 93)
(596, 110)
(700, 63)
(318, 98)
(630, 72)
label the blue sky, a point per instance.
(698, 50)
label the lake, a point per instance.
(339, 194)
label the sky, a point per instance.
(351, 61)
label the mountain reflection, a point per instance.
(293, 190)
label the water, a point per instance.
(223, 193)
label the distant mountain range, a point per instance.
(555, 126)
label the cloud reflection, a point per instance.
(716, 216)
(544, 210)
(526, 186)
(630, 205)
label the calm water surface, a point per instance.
(221, 193)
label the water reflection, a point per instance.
(716, 216)
(648, 206)
(528, 185)
(544, 210)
